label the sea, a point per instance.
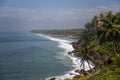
(28, 56)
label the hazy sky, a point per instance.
(19, 15)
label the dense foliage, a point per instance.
(72, 33)
(100, 43)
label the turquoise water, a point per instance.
(26, 56)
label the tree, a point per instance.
(110, 29)
(88, 26)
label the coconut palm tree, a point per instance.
(110, 28)
(84, 53)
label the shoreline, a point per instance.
(75, 60)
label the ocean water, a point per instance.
(27, 56)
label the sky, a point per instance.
(26, 15)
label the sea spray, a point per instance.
(65, 44)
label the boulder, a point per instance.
(77, 71)
(52, 79)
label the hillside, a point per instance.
(99, 42)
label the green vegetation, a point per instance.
(99, 42)
(72, 33)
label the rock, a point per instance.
(77, 71)
(75, 45)
(52, 79)
(77, 76)
(70, 73)
(82, 71)
(69, 53)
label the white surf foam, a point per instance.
(65, 44)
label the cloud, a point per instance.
(46, 19)
(39, 15)
(27, 14)
(104, 8)
(113, 8)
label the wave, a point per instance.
(65, 44)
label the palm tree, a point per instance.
(84, 53)
(110, 28)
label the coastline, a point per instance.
(66, 44)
